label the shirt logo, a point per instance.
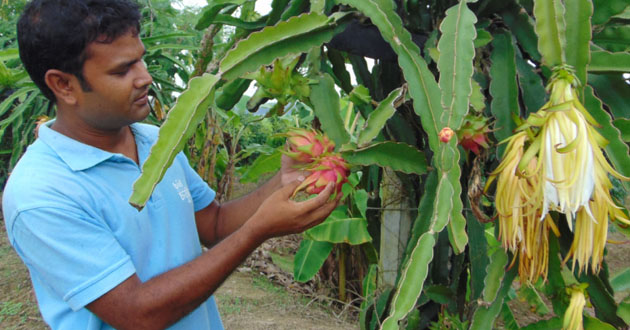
(182, 191)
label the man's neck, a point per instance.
(119, 140)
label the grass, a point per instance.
(18, 307)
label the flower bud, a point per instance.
(446, 134)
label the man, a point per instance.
(95, 261)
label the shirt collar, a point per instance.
(77, 155)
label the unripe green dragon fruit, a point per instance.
(307, 145)
(473, 133)
(329, 168)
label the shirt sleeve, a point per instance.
(77, 257)
(201, 193)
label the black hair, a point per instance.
(54, 34)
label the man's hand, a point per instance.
(289, 173)
(279, 215)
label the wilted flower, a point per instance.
(518, 208)
(555, 163)
(573, 319)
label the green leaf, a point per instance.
(484, 317)
(603, 61)
(154, 48)
(554, 323)
(455, 64)
(556, 289)
(325, 101)
(592, 323)
(605, 9)
(8, 102)
(494, 274)
(509, 321)
(522, 26)
(440, 294)
(623, 125)
(263, 164)
(360, 200)
(411, 282)
(503, 86)
(309, 259)
(179, 126)
(352, 231)
(152, 39)
(18, 112)
(623, 311)
(369, 290)
(380, 307)
(377, 118)
(425, 211)
(550, 29)
(443, 205)
(533, 299)
(338, 62)
(239, 23)
(297, 35)
(213, 8)
(397, 156)
(277, 8)
(9, 54)
(423, 88)
(531, 85)
(621, 281)
(616, 150)
(295, 8)
(231, 93)
(483, 38)
(613, 91)
(602, 300)
(457, 224)
(578, 18)
(478, 254)
(614, 38)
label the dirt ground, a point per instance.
(247, 300)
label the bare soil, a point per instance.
(247, 300)
(260, 295)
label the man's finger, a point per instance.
(287, 191)
(319, 200)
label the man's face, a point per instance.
(119, 82)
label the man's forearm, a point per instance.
(233, 214)
(165, 299)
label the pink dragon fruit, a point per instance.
(329, 168)
(473, 134)
(307, 145)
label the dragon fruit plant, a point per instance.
(315, 153)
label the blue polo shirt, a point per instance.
(67, 216)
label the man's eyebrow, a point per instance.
(127, 64)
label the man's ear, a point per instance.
(63, 85)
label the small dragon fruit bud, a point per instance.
(474, 133)
(306, 145)
(446, 134)
(330, 168)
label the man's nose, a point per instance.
(144, 78)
